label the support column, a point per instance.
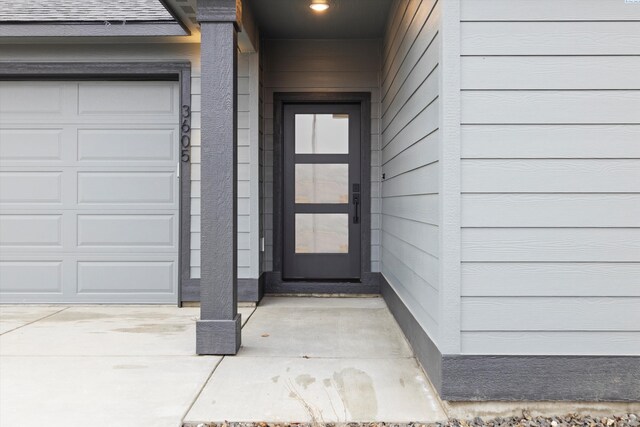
(218, 330)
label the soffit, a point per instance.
(344, 19)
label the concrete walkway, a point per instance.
(303, 359)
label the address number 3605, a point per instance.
(185, 133)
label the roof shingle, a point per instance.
(82, 11)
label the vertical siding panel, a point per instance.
(450, 207)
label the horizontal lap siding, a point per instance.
(547, 10)
(246, 108)
(550, 38)
(196, 137)
(410, 140)
(321, 66)
(550, 177)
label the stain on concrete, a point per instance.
(293, 395)
(305, 380)
(401, 382)
(154, 328)
(82, 315)
(358, 395)
(327, 382)
(275, 379)
(78, 316)
(130, 367)
(142, 315)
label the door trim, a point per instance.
(179, 71)
(369, 282)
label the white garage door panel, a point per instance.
(89, 192)
(34, 231)
(34, 276)
(30, 144)
(21, 102)
(126, 277)
(126, 187)
(127, 145)
(30, 187)
(139, 98)
(89, 102)
(32, 98)
(131, 231)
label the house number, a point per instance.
(185, 133)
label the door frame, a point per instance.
(369, 282)
(178, 71)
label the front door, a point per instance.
(322, 192)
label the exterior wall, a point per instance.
(322, 66)
(410, 159)
(248, 198)
(550, 140)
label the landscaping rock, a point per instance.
(526, 420)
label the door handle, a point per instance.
(356, 202)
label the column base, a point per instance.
(218, 337)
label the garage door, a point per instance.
(89, 191)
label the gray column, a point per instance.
(218, 330)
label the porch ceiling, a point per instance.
(346, 19)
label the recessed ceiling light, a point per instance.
(319, 5)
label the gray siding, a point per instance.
(255, 136)
(550, 131)
(261, 169)
(248, 256)
(322, 66)
(410, 159)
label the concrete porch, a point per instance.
(302, 360)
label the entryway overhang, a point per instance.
(221, 22)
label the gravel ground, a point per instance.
(526, 420)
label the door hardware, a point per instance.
(356, 202)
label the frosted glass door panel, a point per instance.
(322, 233)
(322, 183)
(322, 134)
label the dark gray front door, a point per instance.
(322, 192)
